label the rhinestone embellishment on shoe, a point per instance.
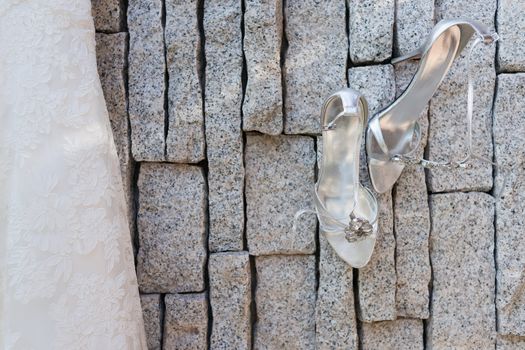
(358, 229)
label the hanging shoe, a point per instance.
(393, 134)
(347, 211)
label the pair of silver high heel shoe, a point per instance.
(347, 211)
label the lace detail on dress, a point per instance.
(67, 279)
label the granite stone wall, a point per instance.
(215, 110)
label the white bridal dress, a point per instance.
(67, 279)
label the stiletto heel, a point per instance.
(393, 134)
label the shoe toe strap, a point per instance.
(375, 128)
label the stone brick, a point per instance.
(371, 27)
(108, 15)
(146, 79)
(401, 334)
(172, 228)
(412, 223)
(263, 30)
(230, 299)
(414, 21)
(222, 30)
(509, 128)
(315, 61)
(481, 11)
(376, 83)
(186, 322)
(448, 107)
(285, 300)
(412, 228)
(185, 140)
(462, 248)
(335, 313)
(511, 25)
(111, 61)
(152, 314)
(377, 280)
(280, 176)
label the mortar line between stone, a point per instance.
(253, 304)
(166, 80)
(201, 72)
(459, 191)
(207, 283)
(284, 50)
(393, 194)
(244, 80)
(253, 272)
(162, 316)
(135, 166)
(317, 245)
(494, 223)
(347, 31)
(393, 52)
(430, 283)
(393, 191)
(426, 150)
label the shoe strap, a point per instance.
(375, 127)
(356, 229)
(409, 159)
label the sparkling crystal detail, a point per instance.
(358, 229)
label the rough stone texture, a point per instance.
(376, 83)
(146, 79)
(414, 21)
(230, 299)
(112, 68)
(511, 25)
(509, 128)
(412, 223)
(371, 26)
(448, 107)
(172, 228)
(263, 100)
(151, 310)
(412, 227)
(335, 313)
(462, 248)
(510, 343)
(279, 182)
(377, 280)
(285, 300)
(482, 11)
(186, 323)
(222, 30)
(401, 334)
(108, 15)
(185, 140)
(316, 57)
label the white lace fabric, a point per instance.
(67, 279)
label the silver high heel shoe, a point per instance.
(393, 134)
(347, 211)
